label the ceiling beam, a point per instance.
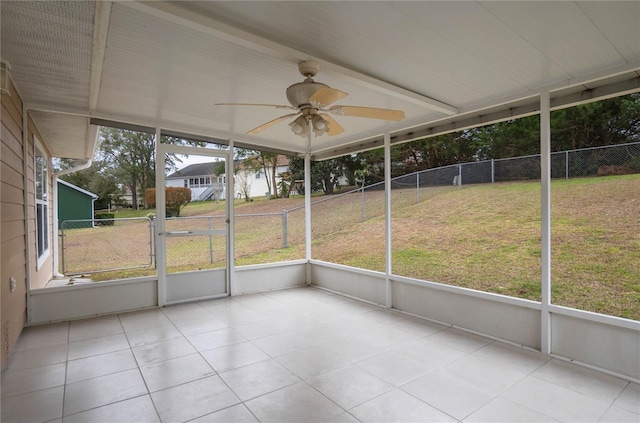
(174, 12)
(100, 32)
(487, 117)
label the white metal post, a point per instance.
(545, 202)
(161, 263)
(307, 214)
(387, 218)
(230, 186)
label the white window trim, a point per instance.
(40, 259)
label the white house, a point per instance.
(204, 183)
(201, 179)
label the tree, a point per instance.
(325, 174)
(243, 182)
(176, 198)
(261, 160)
(606, 122)
(96, 179)
(131, 158)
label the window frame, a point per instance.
(41, 169)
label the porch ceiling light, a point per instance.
(320, 125)
(300, 126)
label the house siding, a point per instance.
(40, 275)
(12, 230)
(15, 243)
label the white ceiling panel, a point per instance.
(566, 36)
(51, 56)
(619, 23)
(445, 64)
(66, 130)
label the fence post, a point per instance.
(62, 245)
(210, 240)
(460, 175)
(493, 171)
(566, 164)
(155, 243)
(362, 202)
(417, 187)
(151, 241)
(284, 229)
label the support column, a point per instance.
(307, 214)
(387, 218)
(231, 248)
(161, 215)
(545, 202)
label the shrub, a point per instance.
(614, 170)
(175, 199)
(104, 219)
(634, 164)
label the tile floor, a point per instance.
(298, 355)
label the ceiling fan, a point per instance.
(312, 102)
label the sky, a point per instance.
(191, 159)
(196, 158)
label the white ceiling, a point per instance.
(447, 65)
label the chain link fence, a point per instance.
(268, 237)
(95, 246)
(119, 244)
(195, 243)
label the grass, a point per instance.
(487, 237)
(484, 237)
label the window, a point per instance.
(41, 167)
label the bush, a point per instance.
(175, 198)
(104, 219)
(614, 170)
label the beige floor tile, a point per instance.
(194, 399)
(100, 365)
(176, 371)
(296, 403)
(258, 379)
(103, 390)
(134, 410)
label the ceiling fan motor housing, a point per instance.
(299, 94)
(309, 68)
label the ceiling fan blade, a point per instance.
(367, 112)
(334, 127)
(277, 106)
(270, 123)
(327, 95)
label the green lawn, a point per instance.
(484, 237)
(487, 237)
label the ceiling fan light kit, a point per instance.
(309, 98)
(299, 126)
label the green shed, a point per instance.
(74, 203)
